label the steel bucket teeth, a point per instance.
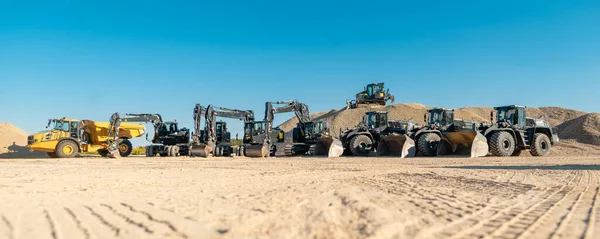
(464, 142)
(329, 146)
(397, 145)
(201, 150)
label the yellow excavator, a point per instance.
(66, 138)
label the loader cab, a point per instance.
(440, 116)
(376, 119)
(514, 115)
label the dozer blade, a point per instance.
(329, 146)
(257, 151)
(200, 150)
(464, 142)
(398, 145)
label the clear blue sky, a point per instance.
(88, 59)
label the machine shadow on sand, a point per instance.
(17, 151)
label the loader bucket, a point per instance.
(464, 142)
(257, 151)
(398, 145)
(329, 146)
(113, 151)
(200, 150)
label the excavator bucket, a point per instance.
(398, 145)
(257, 151)
(463, 142)
(329, 146)
(200, 150)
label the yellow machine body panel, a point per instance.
(97, 135)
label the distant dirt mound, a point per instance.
(559, 115)
(584, 129)
(13, 141)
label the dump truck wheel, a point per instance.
(541, 145)
(52, 155)
(361, 145)
(517, 152)
(125, 147)
(428, 143)
(502, 144)
(67, 149)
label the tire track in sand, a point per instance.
(10, 230)
(525, 221)
(487, 221)
(77, 221)
(593, 215)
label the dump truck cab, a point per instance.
(58, 129)
(513, 132)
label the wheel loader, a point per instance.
(444, 135)
(66, 138)
(514, 132)
(373, 94)
(214, 139)
(377, 135)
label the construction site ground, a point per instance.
(136, 197)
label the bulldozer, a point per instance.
(67, 138)
(377, 135)
(168, 139)
(373, 94)
(445, 135)
(214, 139)
(514, 132)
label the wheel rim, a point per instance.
(123, 148)
(68, 149)
(506, 144)
(544, 145)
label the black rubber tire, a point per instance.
(60, 149)
(150, 151)
(52, 155)
(227, 151)
(502, 144)
(517, 152)
(361, 145)
(174, 151)
(127, 151)
(103, 153)
(428, 144)
(541, 145)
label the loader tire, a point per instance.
(428, 144)
(502, 144)
(541, 145)
(125, 147)
(361, 145)
(67, 149)
(150, 151)
(517, 152)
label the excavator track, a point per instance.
(289, 150)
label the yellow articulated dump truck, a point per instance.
(66, 138)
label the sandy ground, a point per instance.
(300, 198)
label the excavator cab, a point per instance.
(221, 131)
